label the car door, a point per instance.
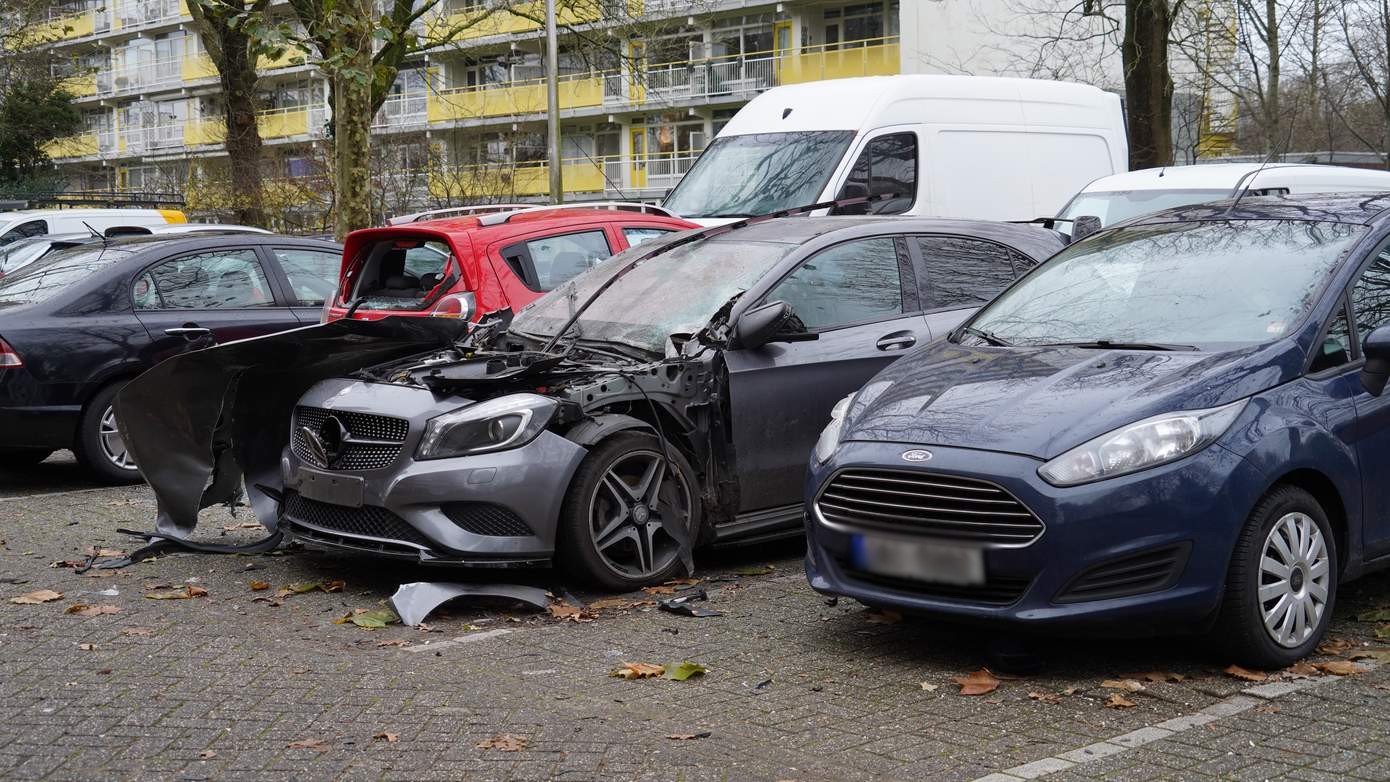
(861, 299)
(962, 274)
(531, 265)
(202, 298)
(1370, 305)
(308, 274)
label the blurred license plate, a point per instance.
(332, 489)
(940, 562)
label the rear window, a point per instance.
(50, 275)
(402, 274)
(544, 263)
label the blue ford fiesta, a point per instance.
(1175, 424)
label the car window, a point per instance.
(544, 263)
(965, 272)
(888, 165)
(313, 274)
(24, 231)
(636, 236)
(1370, 296)
(1336, 346)
(223, 279)
(428, 258)
(853, 282)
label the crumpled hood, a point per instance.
(1041, 401)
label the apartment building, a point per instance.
(465, 120)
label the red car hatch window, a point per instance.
(401, 273)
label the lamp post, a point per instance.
(552, 97)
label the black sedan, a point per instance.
(78, 324)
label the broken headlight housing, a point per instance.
(1141, 445)
(495, 425)
(830, 436)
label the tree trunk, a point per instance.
(352, 122)
(1148, 84)
(1274, 132)
(243, 137)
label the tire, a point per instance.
(1288, 602)
(22, 458)
(98, 452)
(593, 514)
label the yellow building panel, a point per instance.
(520, 98)
(60, 28)
(816, 65)
(80, 145)
(198, 67)
(279, 124)
(288, 58)
(81, 85)
(525, 17)
(525, 179)
(198, 132)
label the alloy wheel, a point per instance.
(1295, 573)
(112, 443)
(639, 516)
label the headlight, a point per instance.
(1139, 446)
(830, 436)
(498, 424)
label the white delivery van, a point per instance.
(40, 222)
(1122, 196)
(948, 146)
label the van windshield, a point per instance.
(1120, 205)
(742, 176)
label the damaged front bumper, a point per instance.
(373, 496)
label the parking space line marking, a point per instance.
(1245, 700)
(463, 639)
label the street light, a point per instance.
(552, 98)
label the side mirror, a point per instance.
(769, 323)
(1376, 372)
(1083, 226)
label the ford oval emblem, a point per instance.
(916, 455)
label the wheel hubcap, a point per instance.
(639, 517)
(112, 444)
(1295, 573)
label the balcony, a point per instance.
(80, 85)
(521, 18)
(132, 79)
(512, 98)
(402, 110)
(197, 66)
(614, 176)
(80, 145)
(61, 28)
(273, 124)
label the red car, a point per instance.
(464, 267)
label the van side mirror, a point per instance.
(1083, 226)
(1376, 372)
(774, 321)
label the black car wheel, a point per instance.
(20, 458)
(631, 509)
(1282, 583)
(100, 447)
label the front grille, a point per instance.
(485, 518)
(995, 591)
(355, 456)
(928, 504)
(1136, 574)
(367, 521)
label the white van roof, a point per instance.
(881, 101)
(1298, 177)
(80, 212)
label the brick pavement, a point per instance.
(216, 687)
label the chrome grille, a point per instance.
(928, 504)
(355, 456)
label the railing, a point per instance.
(614, 176)
(60, 27)
(492, 19)
(135, 14)
(509, 98)
(403, 110)
(80, 145)
(80, 85)
(273, 124)
(139, 78)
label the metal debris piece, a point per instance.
(684, 604)
(413, 602)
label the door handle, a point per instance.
(188, 332)
(898, 340)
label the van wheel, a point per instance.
(21, 458)
(100, 447)
(629, 513)
(1282, 583)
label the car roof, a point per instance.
(1225, 176)
(1033, 240)
(519, 223)
(1354, 208)
(210, 240)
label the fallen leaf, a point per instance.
(34, 598)
(1118, 701)
(273, 602)
(86, 610)
(1046, 697)
(96, 551)
(87, 647)
(104, 672)
(389, 738)
(638, 671)
(1267, 708)
(257, 586)
(332, 586)
(566, 612)
(1128, 685)
(755, 570)
(1334, 646)
(1340, 668)
(661, 589)
(621, 603)
(393, 642)
(1157, 677)
(137, 631)
(1376, 615)
(318, 745)
(1244, 673)
(72, 563)
(883, 616)
(1382, 631)
(506, 742)
(981, 682)
(207, 754)
(1070, 691)
(928, 687)
(242, 525)
(1301, 670)
(189, 590)
(689, 736)
(1379, 655)
(685, 581)
(375, 620)
(684, 671)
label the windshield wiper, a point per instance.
(730, 214)
(1107, 344)
(986, 336)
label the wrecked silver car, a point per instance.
(664, 400)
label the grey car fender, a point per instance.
(594, 429)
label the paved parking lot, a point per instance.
(241, 684)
